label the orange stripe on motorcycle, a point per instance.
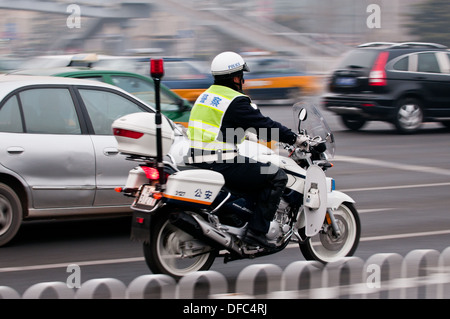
(185, 199)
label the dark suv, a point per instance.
(401, 83)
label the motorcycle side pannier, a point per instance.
(194, 187)
(136, 134)
(136, 177)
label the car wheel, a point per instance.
(354, 123)
(409, 115)
(446, 124)
(10, 214)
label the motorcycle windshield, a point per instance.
(314, 125)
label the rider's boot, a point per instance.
(258, 239)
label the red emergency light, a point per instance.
(157, 68)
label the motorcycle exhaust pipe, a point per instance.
(201, 230)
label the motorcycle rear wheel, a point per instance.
(165, 253)
(325, 247)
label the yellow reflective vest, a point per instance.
(206, 119)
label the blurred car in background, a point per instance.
(186, 77)
(61, 60)
(9, 62)
(173, 106)
(404, 84)
(275, 80)
(272, 80)
(58, 156)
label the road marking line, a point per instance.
(397, 236)
(79, 263)
(139, 259)
(372, 210)
(393, 187)
(400, 166)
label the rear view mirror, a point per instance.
(302, 115)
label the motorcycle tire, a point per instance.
(326, 247)
(164, 252)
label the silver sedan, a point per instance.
(58, 157)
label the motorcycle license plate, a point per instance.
(146, 197)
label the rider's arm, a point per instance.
(241, 114)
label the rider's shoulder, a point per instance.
(243, 101)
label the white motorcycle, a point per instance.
(189, 217)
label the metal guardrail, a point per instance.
(421, 274)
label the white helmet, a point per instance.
(227, 63)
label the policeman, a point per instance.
(218, 121)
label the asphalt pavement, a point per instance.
(400, 184)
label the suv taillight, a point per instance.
(377, 76)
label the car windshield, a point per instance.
(145, 91)
(358, 59)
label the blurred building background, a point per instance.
(306, 30)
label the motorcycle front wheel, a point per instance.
(173, 252)
(325, 246)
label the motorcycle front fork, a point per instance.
(332, 221)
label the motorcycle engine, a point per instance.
(279, 225)
(274, 230)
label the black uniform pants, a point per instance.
(265, 181)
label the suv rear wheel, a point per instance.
(446, 124)
(409, 115)
(353, 122)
